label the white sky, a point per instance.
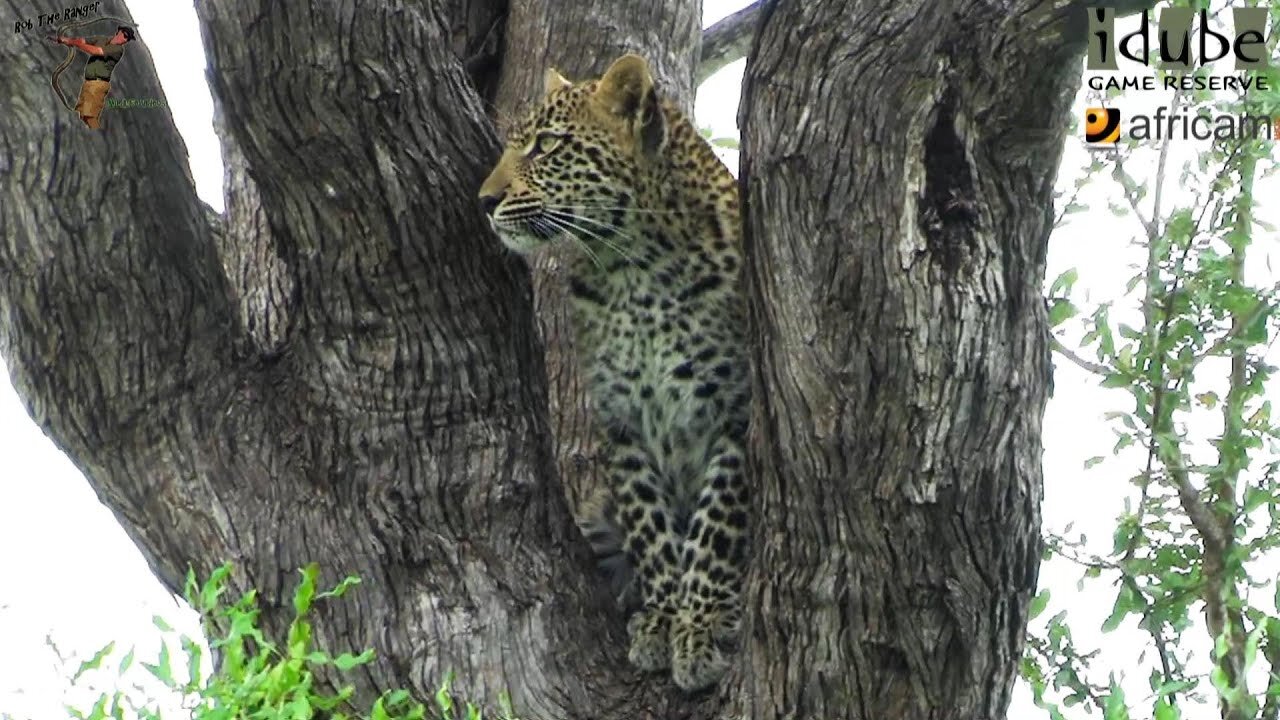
(72, 575)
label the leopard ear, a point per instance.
(627, 92)
(553, 81)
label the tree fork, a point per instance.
(344, 365)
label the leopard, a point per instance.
(614, 167)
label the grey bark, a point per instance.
(899, 162)
(344, 365)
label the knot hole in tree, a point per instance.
(948, 211)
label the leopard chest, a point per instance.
(661, 369)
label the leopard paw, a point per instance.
(697, 662)
(727, 628)
(650, 647)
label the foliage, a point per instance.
(256, 678)
(1192, 558)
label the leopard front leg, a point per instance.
(644, 512)
(709, 615)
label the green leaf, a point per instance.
(346, 661)
(1113, 705)
(194, 656)
(1273, 630)
(1116, 380)
(94, 662)
(1038, 604)
(1064, 282)
(99, 711)
(1060, 311)
(1095, 460)
(444, 699)
(191, 588)
(341, 588)
(1174, 686)
(1255, 497)
(306, 590)
(1251, 644)
(1218, 678)
(160, 623)
(162, 670)
(1165, 711)
(125, 663)
(213, 588)
(299, 638)
(1256, 332)
(1126, 602)
(1126, 529)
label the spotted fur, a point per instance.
(607, 165)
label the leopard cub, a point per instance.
(623, 175)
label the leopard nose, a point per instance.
(489, 203)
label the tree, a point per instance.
(344, 365)
(1185, 347)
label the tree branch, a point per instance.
(114, 312)
(727, 40)
(1086, 365)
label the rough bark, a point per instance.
(344, 366)
(898, 177)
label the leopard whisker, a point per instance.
(570, 219)
(557, 224)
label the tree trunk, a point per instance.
(345, 366)
(897, 186)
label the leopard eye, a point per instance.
(544, 143)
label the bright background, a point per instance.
(71, 575)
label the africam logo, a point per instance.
(1102, 127)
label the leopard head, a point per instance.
(575, 167)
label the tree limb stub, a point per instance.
(727, 40)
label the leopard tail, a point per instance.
(597, 519)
